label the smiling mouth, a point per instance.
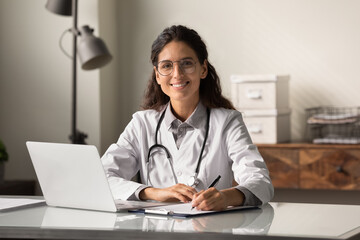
(180, 84)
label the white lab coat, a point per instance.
(228, 152)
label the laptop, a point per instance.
(72, 176)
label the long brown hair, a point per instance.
(210, 89)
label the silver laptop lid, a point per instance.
(71, 176)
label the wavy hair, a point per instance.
(210, 89)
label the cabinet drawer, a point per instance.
(260, 91)
(268, 126)
(329, 169)
(260, 95)
(283, 166)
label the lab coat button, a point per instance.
(178, 173)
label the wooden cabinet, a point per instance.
(312, 166)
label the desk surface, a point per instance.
(272, 221)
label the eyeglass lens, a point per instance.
(166, 67)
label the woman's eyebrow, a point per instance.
(185, 58)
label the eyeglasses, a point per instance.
(166, 67)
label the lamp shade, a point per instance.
(62, 7)
(92, 51)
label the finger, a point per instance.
(203, 194)
(181, 192)
(186, 191)
(181, 197)
(211, 199)
(197, 199)
(215, 205)
(188, 188)
(207, 205)
(174, 197)
(196, 195)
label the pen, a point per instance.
(213, 184)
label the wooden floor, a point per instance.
(317, 196)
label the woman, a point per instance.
(187, 135)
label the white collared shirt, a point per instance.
(228, 152)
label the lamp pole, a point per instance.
(76, 137)
(92, 53)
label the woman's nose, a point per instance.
(177, 71)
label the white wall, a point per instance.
(35, 81)
(316, 41)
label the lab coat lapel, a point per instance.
(170, 141)
(190, 141)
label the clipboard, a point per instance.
(183, 210)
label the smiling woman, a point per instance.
(187, 136)
(191, 43)
(179, 75)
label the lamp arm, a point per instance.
(61, 45)
(69, 30)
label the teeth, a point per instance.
(178, 85)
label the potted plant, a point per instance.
(3, 158)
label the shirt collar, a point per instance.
(195, 120)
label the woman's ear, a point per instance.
(204, 69)
(156, 75)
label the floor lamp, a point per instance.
(92, 51)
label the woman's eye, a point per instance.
(166, 65)
(187, 63)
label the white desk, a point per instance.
(273, 221)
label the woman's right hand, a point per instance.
(179, 192)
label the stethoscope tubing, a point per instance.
(168, 155)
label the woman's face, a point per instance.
(183, 83)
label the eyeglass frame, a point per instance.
(172, 63)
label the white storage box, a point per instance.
(268, 126)
(260, 91)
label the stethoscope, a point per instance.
(193, 181)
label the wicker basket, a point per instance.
(334, 125)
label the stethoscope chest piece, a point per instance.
(193, 181)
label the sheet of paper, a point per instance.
(11, 203)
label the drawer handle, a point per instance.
(254, 94)
(256, 129)
(340, 169)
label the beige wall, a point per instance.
(111, 86)
(317, 42)
(35, 81)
